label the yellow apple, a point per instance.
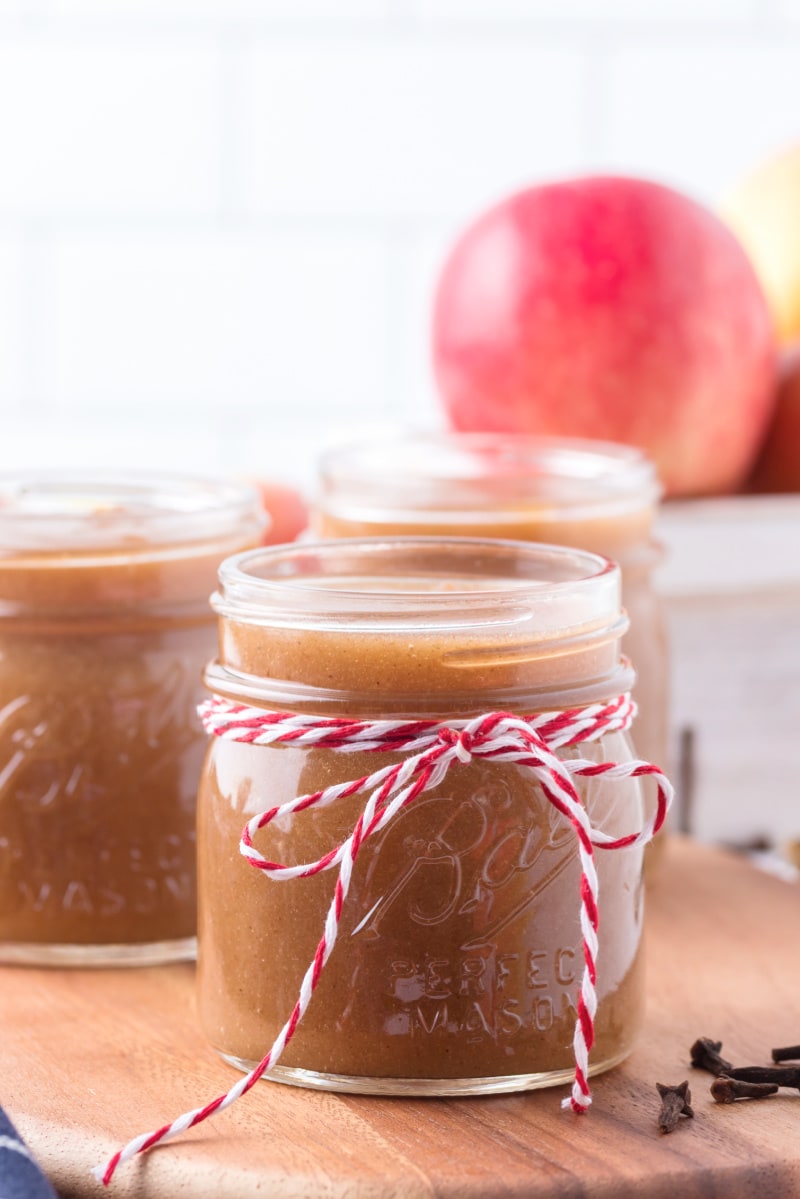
(763, 209)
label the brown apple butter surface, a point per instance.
(460, 953)
(104, 632)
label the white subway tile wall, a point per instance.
(12, 304)
(696, 115)
(97, 129)
(647, 11)
(403, 131)
(227, 316)
(221, 220)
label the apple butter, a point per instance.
(591, 495)
(104, 632)
(459, 954)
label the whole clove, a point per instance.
(705, 1055)
(728, 1090)
(783, 1076)
(790, 1054)
(675, 1102)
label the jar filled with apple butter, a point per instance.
(598, 496)
(104, 632)
(459, 958)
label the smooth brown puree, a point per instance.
(100, 747)
(459, 953)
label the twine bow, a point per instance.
(431, 748)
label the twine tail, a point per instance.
(104, 1173)
(495, 736)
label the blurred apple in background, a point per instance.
(778, 465)
(764, 211)
(610, 308)
(286, 508)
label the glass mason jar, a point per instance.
(105, 629)
(458, 960)
(597, 496)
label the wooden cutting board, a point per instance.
(90, 1058)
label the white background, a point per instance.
(221, 220)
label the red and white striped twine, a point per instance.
(431, 748)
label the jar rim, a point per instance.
(380, 580)
(84, 510)
(465, 475)
(368, 623)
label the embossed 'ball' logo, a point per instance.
(481, 858)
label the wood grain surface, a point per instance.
(90, 1058)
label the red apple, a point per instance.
(778, 465)
(286, 509)
(610, 308)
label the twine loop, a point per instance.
(429, 748)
